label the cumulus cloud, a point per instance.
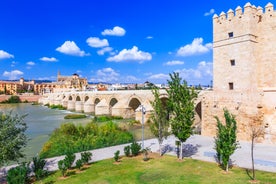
(5, 55)
(133, 54)
(149, 37)
(171, 63)
(104, 50)
(202, 73)
(159, 76)
(12, 75)
(47, 59)
(71, 48)
(196, 47)
(30, 63)
(106, 75)
(211, 12)
(116, 31)
(97, 42)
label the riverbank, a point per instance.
(24, 97)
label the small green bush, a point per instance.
(135, 148)
(86, 157)
(127, 150)
(18, 174)
(75, 116)
(59, 107)
(69, 159)
(116, 156)
(79, 164)
(38, 167)
(102, 118)
(62, 167)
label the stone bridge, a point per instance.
(123, 103)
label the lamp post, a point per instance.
(143, 111)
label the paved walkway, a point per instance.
(197, 147)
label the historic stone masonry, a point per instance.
(244, 69)
(116, 103)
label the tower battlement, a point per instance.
(249, 11)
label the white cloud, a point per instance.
(196, 47)
(47, 59)
(159, 76)
(30, 64)
(13, 63)
(106, 75)
(104, 50)
(171, 63)
(211, 12)
(116, 31)
(96, 42)
(70, 48)
(149, 37)
(12, 75)
(202, 73)
(5, 55)
(133, 54)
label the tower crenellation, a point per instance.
(248, 10)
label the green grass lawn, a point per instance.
(166, 169)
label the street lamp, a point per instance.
(143, 111)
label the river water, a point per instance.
(41, 122)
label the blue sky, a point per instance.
(115, 41)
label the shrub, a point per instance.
(127, 150)
(75, 116)
(62, 167)
(116, 155)
(79, 138)
(69, 159)
(135, 148)
(18, 174)
(59, 107)
(102, 118)
(86, 157)
(79, 164)
(38, 166)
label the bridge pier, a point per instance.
(79, 106)
(71, 105)
(89, 108)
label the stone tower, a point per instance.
(244, 53)
(244, 70)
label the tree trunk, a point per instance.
(252, 157)
(160, 149)
(227, 167)
(181, 150)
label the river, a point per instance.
(41, 121)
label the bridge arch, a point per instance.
(70, 98)
(112, 102)
(86, 98)
(78, 98)
(96, 101)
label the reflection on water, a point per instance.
(41, 121)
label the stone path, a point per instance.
(197, 147)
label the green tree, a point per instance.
(226, 140)
(12, 137)
(159, 122)
(182, 108)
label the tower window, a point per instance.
(231, 85)
(231, 34)
(233, 62)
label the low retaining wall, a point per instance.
(29, 98)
